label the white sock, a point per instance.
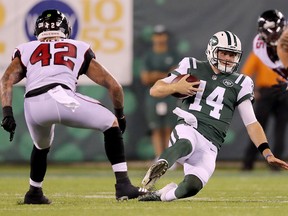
(120, 167)
(35, 184)
(169, 196)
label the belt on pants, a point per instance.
(44, 89)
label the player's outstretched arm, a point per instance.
(13, 74)
(100, 75)
(258, 137)
(163, 89)
(282, 48)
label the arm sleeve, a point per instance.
(89, 55)
(246, 91)
(169, 79)
(246, 112)
(183, 67)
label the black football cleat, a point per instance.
(151, 196)
(35, 196)
(125, 191)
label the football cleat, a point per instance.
(151, 196)
(154, 173)
(125, 191)
(158, 195)
(35, 196)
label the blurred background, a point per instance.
(119, 32)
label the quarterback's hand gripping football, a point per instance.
(121, 119)
(8, 122)
(187, 88)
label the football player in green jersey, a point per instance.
(205, 116)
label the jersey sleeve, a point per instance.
(89, 55)
(246, 90)
(17, 54)
(183, 67)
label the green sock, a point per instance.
(190, 186)
(181, 148)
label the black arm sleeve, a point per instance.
(89, 55)
(18, 55)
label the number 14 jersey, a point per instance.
(60, 61)
(215, 105)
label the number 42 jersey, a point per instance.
(215, 105)
(60, 61)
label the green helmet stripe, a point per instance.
(175, 73)
(235, 39)
(228, 37)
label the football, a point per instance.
(190, 78)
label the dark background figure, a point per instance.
(159, 61)
(271, 94)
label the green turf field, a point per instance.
(88, 190)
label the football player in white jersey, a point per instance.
(273, 100)
(271, 25)
(204, 117)
(51, 66)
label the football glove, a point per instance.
(8, 122)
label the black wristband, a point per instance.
(262, 147)
(7, 111)
(119, 113)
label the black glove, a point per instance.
(121, 119)
(8, 122)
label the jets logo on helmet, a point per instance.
(224, 41)
(52, 23)
(213, 41)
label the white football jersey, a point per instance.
(53, 62)
(260, 50)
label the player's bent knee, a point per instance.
(190, 186)
(185, 145)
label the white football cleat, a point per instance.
(154, 173)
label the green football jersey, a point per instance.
(160, 118)
(215, 105)
(163, 62)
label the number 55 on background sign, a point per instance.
(107, 26)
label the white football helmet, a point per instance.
(224, 41)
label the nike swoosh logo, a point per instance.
(212, 150)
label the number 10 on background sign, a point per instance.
(103, 25)
(107, 26)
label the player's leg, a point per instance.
(198, 168)
(280, 125)
(180, 146)
(156, 137)
(42, 137)
(91, 114)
